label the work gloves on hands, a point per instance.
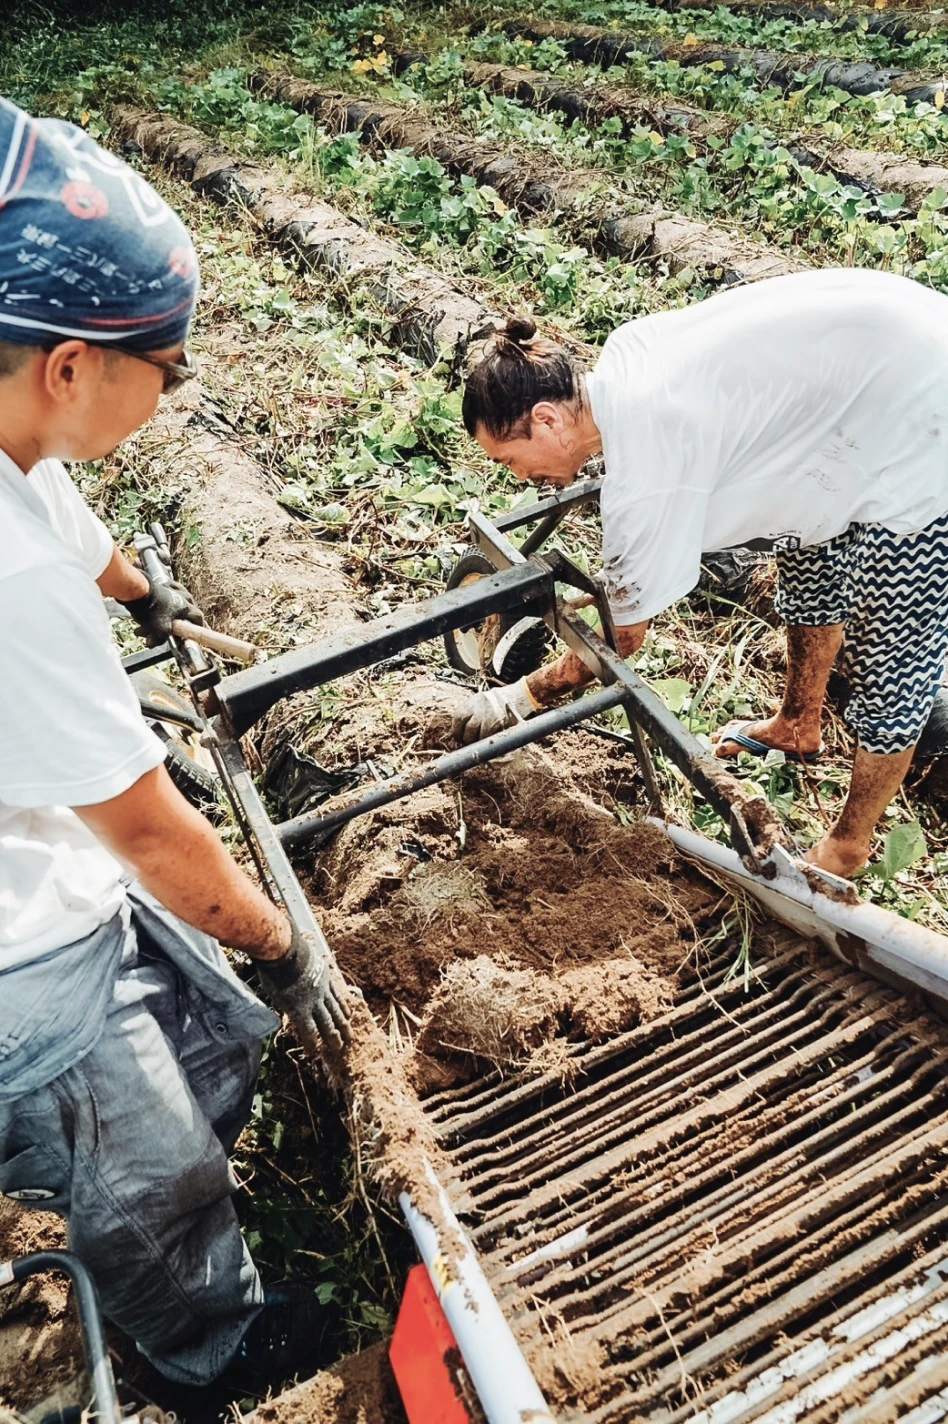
(300, 984)
(158, 609)
(494, 710)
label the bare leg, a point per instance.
(811, 653)
(875, 780)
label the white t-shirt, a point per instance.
(772, 416)
(71, 732)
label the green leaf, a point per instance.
(436, 495)
(890, 203)
(904, 845)
(675, 691)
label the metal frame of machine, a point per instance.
(760, 862)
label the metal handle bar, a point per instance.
(105, 1403)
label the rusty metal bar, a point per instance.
(834, 1087)
(638, 1269)
(738, 1188)
(776, 1315)
(933, 1262)
(680, 1049)
(727, 1087)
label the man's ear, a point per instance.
(70, 365)
(548, 414)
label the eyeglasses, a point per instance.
(175, 373)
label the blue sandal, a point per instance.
(761, 749)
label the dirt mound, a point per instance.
(503, 1015)
(491, 1012)
(360, 1389)
(504, 911)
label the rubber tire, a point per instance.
(530, 655)
(200, 786)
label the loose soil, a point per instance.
(490, 916)
(40, 1347)
(360, 1389)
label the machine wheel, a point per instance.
(502, 645)
(189, 765)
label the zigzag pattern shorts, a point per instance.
(891, 592)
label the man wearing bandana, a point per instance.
(128, 1047)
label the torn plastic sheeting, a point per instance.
(299, 784)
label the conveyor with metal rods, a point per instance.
(741, 1208)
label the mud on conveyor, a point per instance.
(737, 1211)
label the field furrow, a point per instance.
(594, 104)
(629, 230)
(599, 45)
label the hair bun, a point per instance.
(520, 329)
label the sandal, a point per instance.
(761, 749)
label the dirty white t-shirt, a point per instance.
(71, 731)
(772, 416)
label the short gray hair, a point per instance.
(13, 356)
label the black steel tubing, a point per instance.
(180, 716)
(300, 828)
(261, 834)
(148, 658)
(246, 696)
(579, 494)
(105, 1404)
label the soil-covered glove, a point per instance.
(300, 985)
(493, 711)
(158, 609)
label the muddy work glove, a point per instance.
(493, 711)
(161, 605)
(300, 985)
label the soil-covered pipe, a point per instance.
(912, 953)
(595, 44)
(630, 232)
(499, 1373)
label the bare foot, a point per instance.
(776, 733)
(838, 857)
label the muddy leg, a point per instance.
(845, 847)
(811, 653)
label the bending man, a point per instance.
(128, 1047)
(807, 415)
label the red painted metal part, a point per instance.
(425, 1356)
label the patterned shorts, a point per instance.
(891, 591)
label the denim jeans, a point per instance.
(130, 1145)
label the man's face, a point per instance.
(100, 397)
(550, 454)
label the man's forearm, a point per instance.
(176, 854)
(121, 580)
(569, 673)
